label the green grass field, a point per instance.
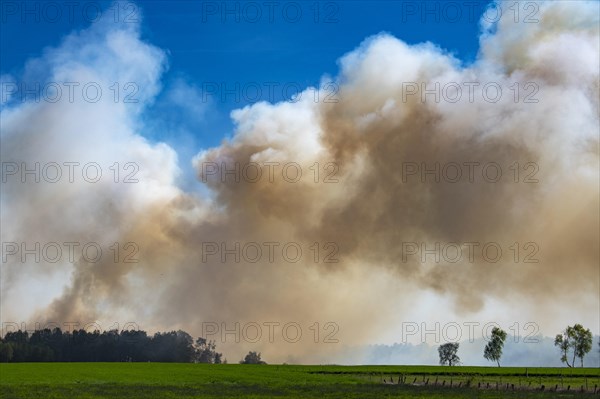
(172, 380)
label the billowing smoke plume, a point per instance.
(405, 158)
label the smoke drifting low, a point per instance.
(400, 174)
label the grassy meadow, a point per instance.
(180, 380)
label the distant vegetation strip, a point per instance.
(591, 372)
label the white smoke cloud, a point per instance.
(84, 130)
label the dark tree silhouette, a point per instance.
(206, 353)
(448, 354)
(108, 346)
(252, 358)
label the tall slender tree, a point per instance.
(575, 338)
(493, 349)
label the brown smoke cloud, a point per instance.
(370, 140)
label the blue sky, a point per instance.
(236, 53)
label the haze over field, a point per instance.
(373, 139)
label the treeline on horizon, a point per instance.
(109, 346)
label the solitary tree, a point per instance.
(448, 354)
(575, 338)
(493, 349)
(252, 358)
(564, 343)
